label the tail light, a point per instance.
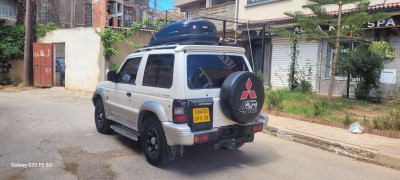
(180, 112)
(257, 128)
(201, 138)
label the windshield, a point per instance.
(210, 71)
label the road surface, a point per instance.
(54, 130)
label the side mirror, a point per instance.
(112, 76)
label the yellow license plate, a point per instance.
(201, 115)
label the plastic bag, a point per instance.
(356, 128)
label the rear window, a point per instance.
(210, 71)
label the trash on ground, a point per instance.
(356, 128)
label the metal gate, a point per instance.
(43, 64)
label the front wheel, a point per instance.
(154, 143)
(102, 124)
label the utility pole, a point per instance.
(72, 13)
(187, 14)
(28, 44)
(166, 16)
(155, 6)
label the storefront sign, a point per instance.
(388, 22)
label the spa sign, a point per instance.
(388, 22)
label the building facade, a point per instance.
(214, 9)
(9, 10)
(314, 56)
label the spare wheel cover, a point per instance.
(242, 96)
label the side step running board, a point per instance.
(125, 132)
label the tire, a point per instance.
(154, 143)
(242, 97)
(102, 124)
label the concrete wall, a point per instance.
(276, 8)
(17, 71)
(84, 58)
(139, 37)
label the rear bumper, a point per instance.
(181, 134)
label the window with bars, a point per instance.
(88, 15)
(8, 10)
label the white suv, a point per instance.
(168, 97)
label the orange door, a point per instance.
(43, 64)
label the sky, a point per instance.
(163, 4)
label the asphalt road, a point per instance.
(54, 130)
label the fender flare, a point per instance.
(153, 107)
(100, 93)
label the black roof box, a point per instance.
(186, 32)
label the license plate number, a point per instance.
(201, 115)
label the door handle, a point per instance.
(128, 94)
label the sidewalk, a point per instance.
(366, 147)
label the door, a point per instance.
(281, 59)
(122, 93)
(43, 64)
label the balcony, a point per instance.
(221, 11)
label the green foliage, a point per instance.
(12, 40)
(388, 122)
(261, 76)
(274, 100)
(114, 67)
(109, 36)
(366, 62)
(157, 24)
(347, 120)
(321, 107)
(304, 87)
(42, 30)
(4, 80)
(15, 84)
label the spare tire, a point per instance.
(242, 96)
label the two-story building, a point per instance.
(215, 9)
(315, 54)
(9, 10)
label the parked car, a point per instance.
(173, 96)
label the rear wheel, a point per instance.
(102, 124)
(154, 143)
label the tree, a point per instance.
(366, 62)
(11, 48)
(333, 26)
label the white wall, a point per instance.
(84, 58)
(276, 9)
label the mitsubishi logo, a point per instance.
(250, 92)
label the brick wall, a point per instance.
(100, 15)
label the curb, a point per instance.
(355, 152)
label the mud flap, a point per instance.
(175, 152)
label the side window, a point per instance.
(128, 72)
(159, 71)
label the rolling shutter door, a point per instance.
(280, 61)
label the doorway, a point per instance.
(59, 64)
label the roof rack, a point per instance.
(151, 48)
